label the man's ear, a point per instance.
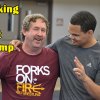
(90, 32)
(23, 31)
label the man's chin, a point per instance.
(37, 46)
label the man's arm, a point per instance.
(16, 43)
(92, 88)
(54, 45)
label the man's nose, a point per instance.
(40, 33)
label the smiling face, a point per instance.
(36, 35)
(78, 37)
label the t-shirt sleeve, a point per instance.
(4, 63)
(53, 46)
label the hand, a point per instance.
(79, 70)
(16, 43)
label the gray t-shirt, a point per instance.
(71, 87)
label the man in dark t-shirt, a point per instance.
(79, 57)
(30, 74)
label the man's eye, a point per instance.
(76, 35)
(43, 30)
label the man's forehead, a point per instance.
(38, 23)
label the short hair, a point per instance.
(32, 18)
(85, 19)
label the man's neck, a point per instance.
(90, 43)
(31, 51)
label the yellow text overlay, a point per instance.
(6, 48)
(9, 9)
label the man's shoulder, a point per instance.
(50, 51)
(9, 56)
(98, 42)
(50, 54)
(97, 45)
(64, 39)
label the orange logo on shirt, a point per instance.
(29, 89)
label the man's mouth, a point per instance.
(74, 41)
(38, 38)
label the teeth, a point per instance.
(38, 39)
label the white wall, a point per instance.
(66, 8)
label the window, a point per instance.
(10, 22)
